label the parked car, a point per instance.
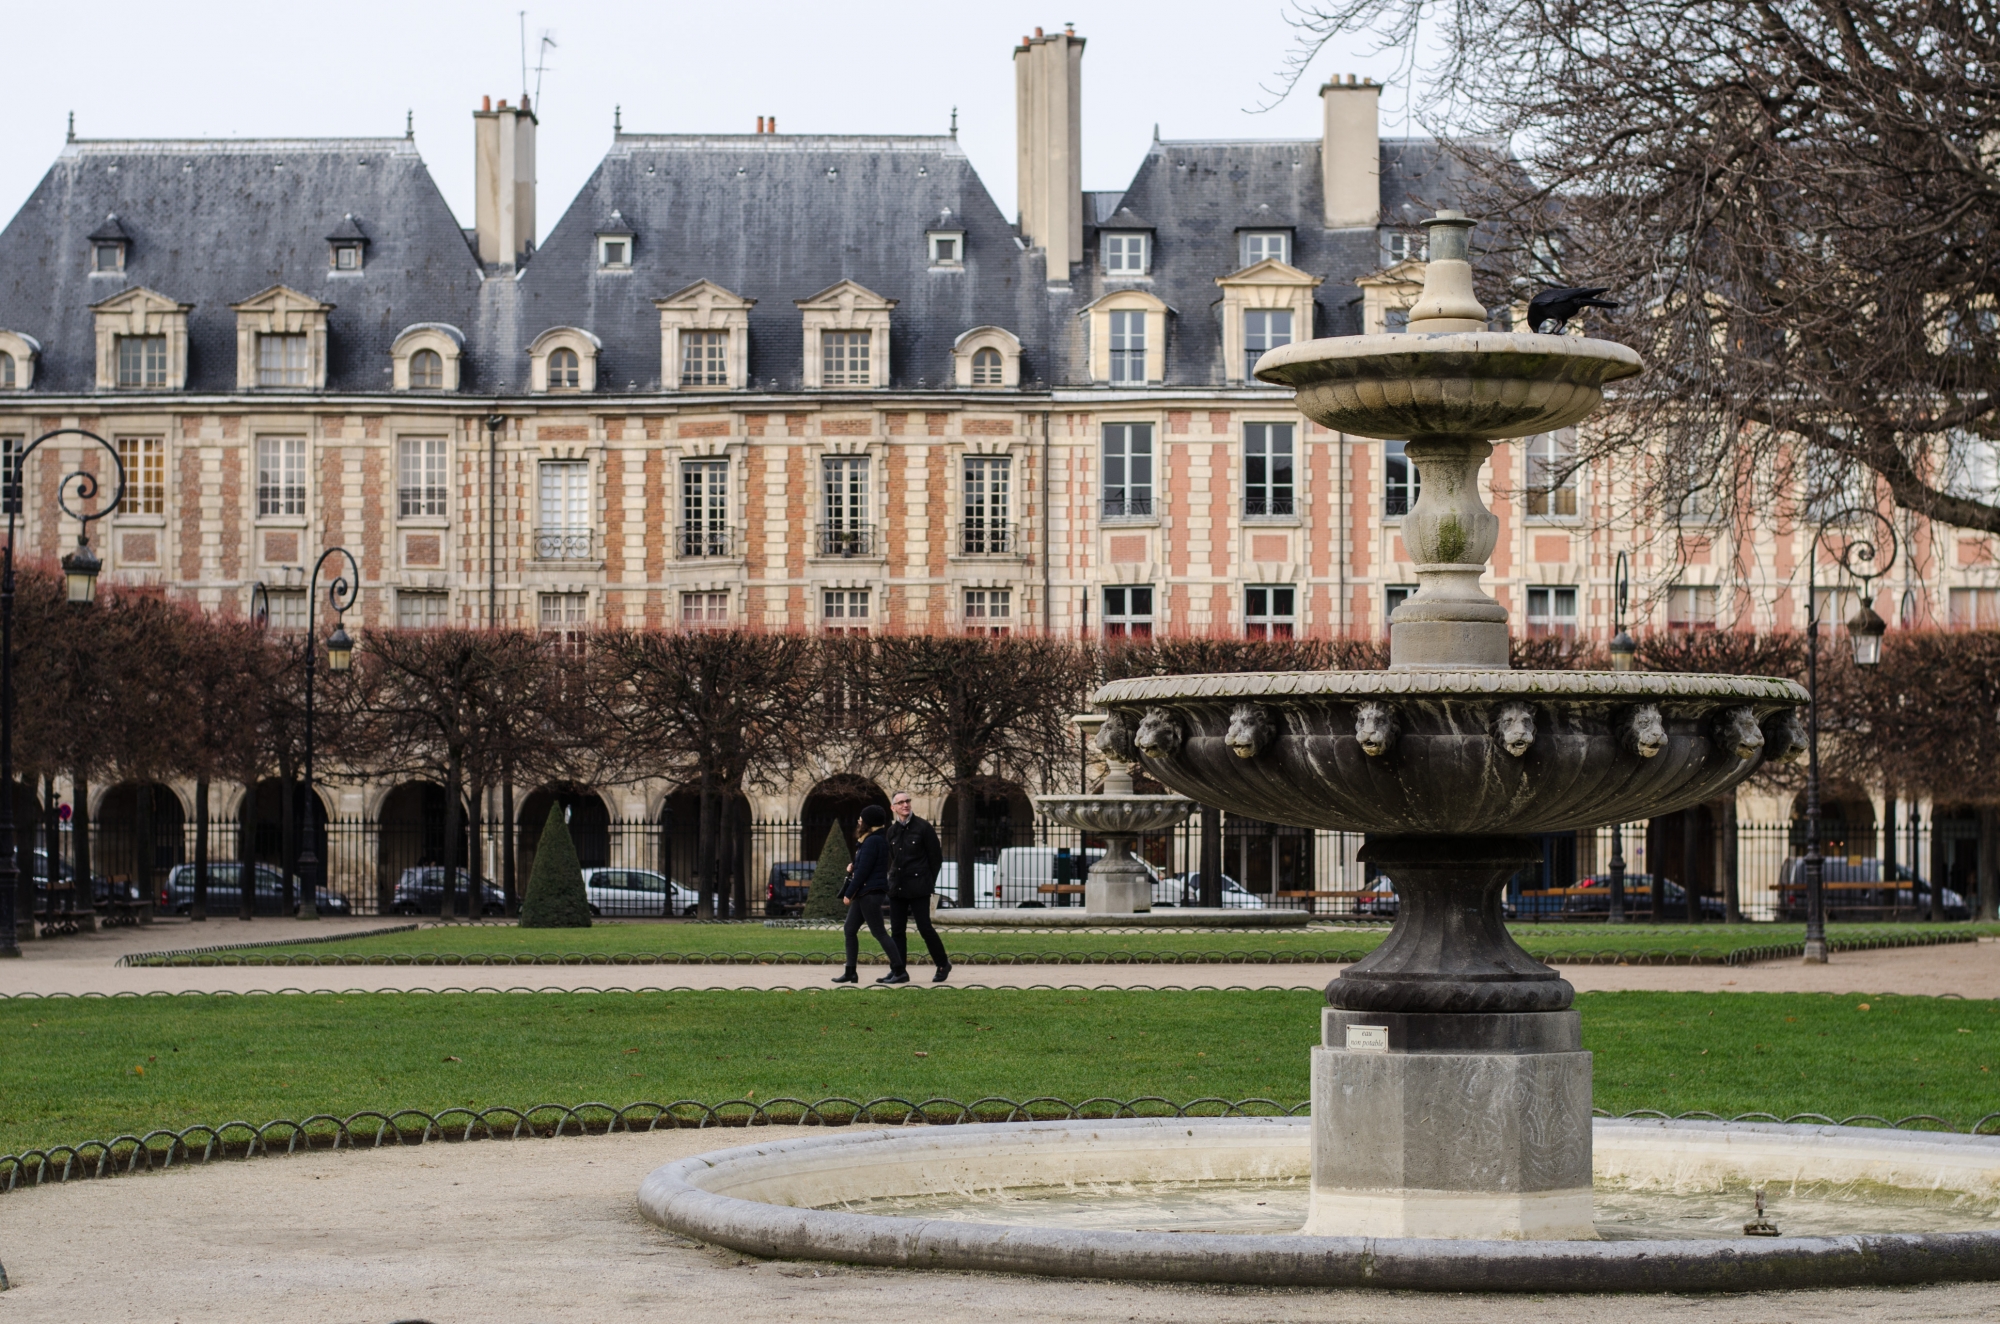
(225, 891)
(1858, 885)
(420, 891)
(786, 887)
(636, 892)
(1380, 901)
(1184, 889)
(100, 886)
(1591, 899)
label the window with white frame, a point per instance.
(988, 368)
(1270, 611)
(564, 613)
(1974, 609)
(1401, 484)
(704, 358)
(1551, 474)
(704, 611)
(844, 523)
(1128, 347)
(1394, 596)
(1551, 612)
(988, 494)
(284, 360)
(614, 251)
(1266, 246)
(1128, 611)
(8, 380)
(281, 475)
(142, 361)
(426, 370)
(420, 476)
(843, 358)
(1836, 607)
(1396, 321)
(1405, 246)
(705, 508)
(565, 370)
(989, 610)
(1267, 469)
(1835, 484)
(1692, 607)
(1128, 469)
(347, 257)
(1263, 329)
(145, 460)
(1125, 254)
(108, 257)
(844, 610)
(562, 532)
(288, 608)
(947, 248)
(10, 474)
(422, 609)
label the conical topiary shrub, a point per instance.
(823, 897)
(555, 897)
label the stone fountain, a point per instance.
(1118, 884)
(1450, 1095)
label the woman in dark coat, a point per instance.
(865, 893)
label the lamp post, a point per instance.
(80, 569)
(1623, 651)
(340, 595)
(1864, 632)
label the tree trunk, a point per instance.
(507, 848)
(198, 909)
(288, 837)
(1658, 899)
(1732, 881)
(1211, 856)
(968, 892)
(454, 811)
(704, 847)
(1989, 841)
(246, 854)
(1889, 878)
(83, 894)
(24, 881)
(144, 844)
(475, 863)
(739, 868)
(1690, 862)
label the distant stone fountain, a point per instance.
(1451, 1096)
(1118, 884)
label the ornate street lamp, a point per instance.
(340, 594)
(80, 569)
(1622, 656)
(1865, 631)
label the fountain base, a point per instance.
(1451, 1126)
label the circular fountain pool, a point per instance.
(1221, 1199)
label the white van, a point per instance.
(1024, 869)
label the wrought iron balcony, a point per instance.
(978, 537)
(1121, 505)
(847, 540)
(1276, 503)
(563, 544)
(704, 541)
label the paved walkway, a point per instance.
(85, 963)
(548, 1231)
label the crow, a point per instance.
(1551, 309)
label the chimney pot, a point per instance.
(1351, 155)
(1048, 77)
(1038, 32)
(774, 124)
(760, 124)
(486, 103)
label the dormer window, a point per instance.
(947, 248)
(347, 245)
(1406, 246)
(426, 370)
(1127, 254)
(614, 244)
(1266, 246)
(108, 243)
(564, 370)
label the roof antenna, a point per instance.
(410, 124)
(618, 119)
(72, 126)
(548, 43)
(954, 121)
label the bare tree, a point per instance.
(963, 708)
(1796, 201)
(714, 707)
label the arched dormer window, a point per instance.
(563, 358)
(987, 357)
(427, 357)
(17, 360)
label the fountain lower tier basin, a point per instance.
(1456, 751)
(1076, 917)
(1219, 1199)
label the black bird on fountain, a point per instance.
(1551, 310)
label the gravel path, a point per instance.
(541, 1231)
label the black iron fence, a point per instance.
(1688, 869)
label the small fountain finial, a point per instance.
(1448, 303)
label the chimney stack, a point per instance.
(1048, 113)
(504, 182)
(1351, 154)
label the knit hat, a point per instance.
(874, 816)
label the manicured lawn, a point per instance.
(75, 1069)
(1326, 942)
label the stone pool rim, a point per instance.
(673, 1197)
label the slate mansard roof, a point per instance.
(211, 223)
(774, 218)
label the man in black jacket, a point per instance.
(915, 856)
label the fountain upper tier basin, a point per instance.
(1465, 386)
(1116, 815)
(1516, 752)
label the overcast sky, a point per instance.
(221, 68)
